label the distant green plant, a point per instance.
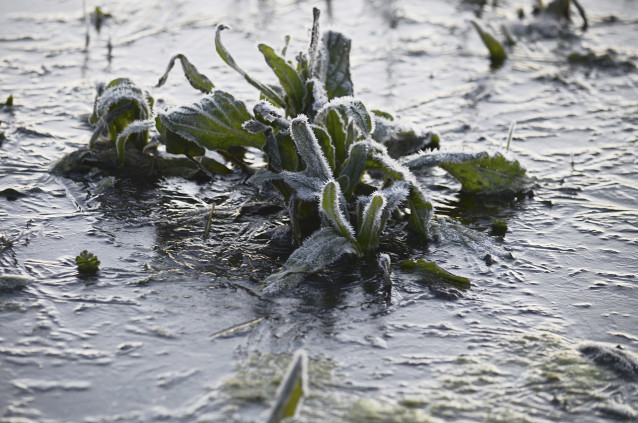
(87, 263)
(9, 101)
(319, 142)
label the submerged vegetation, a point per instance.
(327, 154)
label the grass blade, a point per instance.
(293, 387)
(497, 52)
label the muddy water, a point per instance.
(148, 339)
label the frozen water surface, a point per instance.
(174, 327)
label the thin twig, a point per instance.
(234, 329)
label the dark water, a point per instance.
(145, 340)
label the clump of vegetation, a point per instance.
(327, 153)
(9, 101)
(498, 228)
(87, 263)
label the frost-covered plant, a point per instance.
(319, 142)
(123, 110)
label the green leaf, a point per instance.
(309, 149)
(333, 67)
(497, 52)
(321, 249)
(288, 78)
(430, 272)
(197, 80)
(176, 144)
(266, 90)
(331, 210)
(350, 110)
(489, 175)
(135, 127)
(354, 167)
(215, 122)
(371, 225)
(336, 129)
(325, 142)
(421, 211)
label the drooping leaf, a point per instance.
(497, 52)
(489, 175)
(430, 272)
(135, 127)
(309, 149)
(371, 225)
(288, 78)
(266, 90)
(215, 122)
(331, 209)
(321, 249)
(333, 65)
(198, 80)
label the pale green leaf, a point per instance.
(215, 122)
(288, 78)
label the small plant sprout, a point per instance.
(87, 263)
(337, 165)
(497, 52)
(498, 228)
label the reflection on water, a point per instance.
(140, 341)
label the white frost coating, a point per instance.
(395, 167)
(10, 282)
(350, 109)
(306, 187)
(309, 149)
(135, 127)
(318, 251)
(423, 159)
(319, 94)
(334, 212)
(377, 221)
(448, 230)
(623, 361)
(125, 90)
(268, 111)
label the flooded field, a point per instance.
(175, 328)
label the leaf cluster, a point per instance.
(324, 149)
(87, 263)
